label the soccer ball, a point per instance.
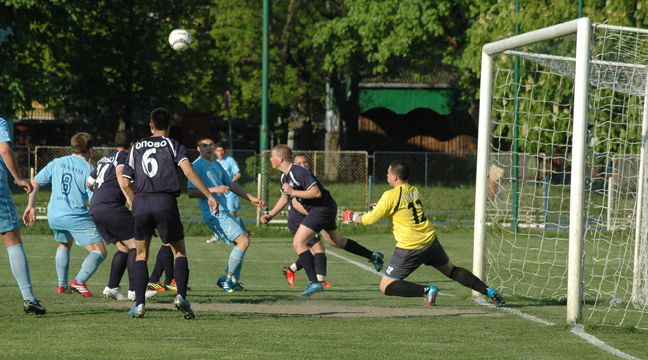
(180, 39)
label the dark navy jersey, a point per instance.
(300, 178)
(107, 193)
(153, 164)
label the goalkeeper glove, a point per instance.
(348, 216)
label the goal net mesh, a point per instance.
(529, 183)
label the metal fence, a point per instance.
(189, 210)
(354, 178)
(345, 174)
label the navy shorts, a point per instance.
(403, 262)
(295, 219)
(157, 211)
(321, 218)
(114, 225)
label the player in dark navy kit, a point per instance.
(152, 167)
(113, 220)
(299, 182)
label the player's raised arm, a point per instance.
(195, 179)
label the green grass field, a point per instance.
(350, 320)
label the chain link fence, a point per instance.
(355, 179)
(446, 181)
(189, 209)
(345, 174)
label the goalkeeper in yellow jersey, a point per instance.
(417, 243)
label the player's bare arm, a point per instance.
(10, 162)
(312, 193)
(281, 203)
(125, 185)
(195, 179)
(29, 217)
(196, 194)
(236, 189)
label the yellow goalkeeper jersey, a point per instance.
(404, 208)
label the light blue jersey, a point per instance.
(8, 216)
(68, 205)
(231, 168)
(213, 175)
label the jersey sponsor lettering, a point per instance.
(107, 192)
(152, 165)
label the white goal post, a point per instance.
(589, 208)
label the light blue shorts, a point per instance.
(84, 236)
(233, 201)
(8, 216)
(225, 226)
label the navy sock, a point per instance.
(117, 269)
(355, 248)
(307, 261)
(182, 275)
(298, 265)
(320, 264)
(405, 289)
(141, 279)
(158, 268)
(167, 262)
(132, 255)
(468, 279)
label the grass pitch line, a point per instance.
(481, 301)
(368, 268)
(577, 330)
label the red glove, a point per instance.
(348, 216)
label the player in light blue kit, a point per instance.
(232, 169)
(225, 226)
(67, 213)
(10, 225)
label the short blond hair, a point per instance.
(81, 143)
(283, 151)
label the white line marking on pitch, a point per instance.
(370, 269)
(577, 330)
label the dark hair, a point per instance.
(219, 144)
(161, 119)
(123, 139)
(400, 169)
(205, 137)
(81, 143)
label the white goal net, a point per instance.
(561, 212)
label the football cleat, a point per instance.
(34, 307)
(174, 287)
(221, 280)
(290, 276)
(237, 286)
(80, 288)
(326, 284)
(156, 286)
(171, 287)
(149, 294)
(498, 300)
(377, 260)
(313, 288)
(137, 311)
(183, 305)
(63, 290)
(114, 293)
(430, 296)
(228, 285)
